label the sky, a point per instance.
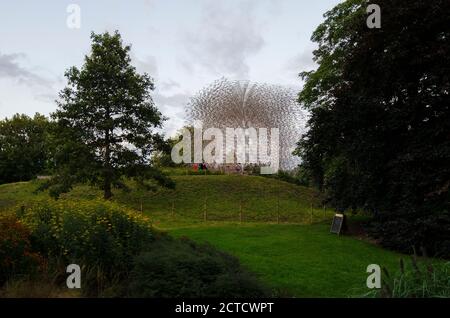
(185, 45)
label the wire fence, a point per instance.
(249, 205)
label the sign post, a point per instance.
(338, 224)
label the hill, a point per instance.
(198, 198)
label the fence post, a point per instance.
(240, 211)
(205, 213)
(278, 205)
(173, 208)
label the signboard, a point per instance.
(338, 223)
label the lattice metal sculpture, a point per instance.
(241, 104)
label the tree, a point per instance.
(23, 147)
(163, 157)
(106, 122)
(379, 129)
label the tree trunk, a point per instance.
(107, 174)
(107, 187)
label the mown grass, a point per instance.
(298, 260)
(232, 198)
(15, 193)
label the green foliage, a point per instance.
(92, 233)
(296, 176)
(105, 238)
(106, 121)
(416, 281)
(24, 148)
(17, 259)
(163, 157)
(182, 268)
(380, 118)
(100, 236)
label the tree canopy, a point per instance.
(23, 147)
(379, 131)
(106, 121)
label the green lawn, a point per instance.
(224, 197)
(298, 260)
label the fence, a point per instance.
(264, 204)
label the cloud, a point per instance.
(170, 84)
(299, 63)
(148, 65)
(173, 107)
(11, 69)
(174, 100)
(302, 61)
(226, 37)
(47, 98)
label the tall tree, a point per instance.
(379, 136)
(24, 149)
(106, 121)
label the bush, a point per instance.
(181, 268)
(296, 176)
(100, 236)
(427, 234)
(92, 233)
(16, 255)
(120, 255)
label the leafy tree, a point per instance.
(379, 129)
(106, 122)
(23, 147)
(163, 158)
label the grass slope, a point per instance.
(299, 260)
(223, 197)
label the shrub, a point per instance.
(100, 236)
(16, 255)
(421, 232)
(91, 233)
(181, 268)
(296, 176)
(120, 255)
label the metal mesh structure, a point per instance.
(242, 104)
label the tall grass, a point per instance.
(420, 280)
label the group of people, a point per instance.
(200, 167)
(227, 168)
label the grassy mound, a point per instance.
(232, 198)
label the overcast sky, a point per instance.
(183, 44)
